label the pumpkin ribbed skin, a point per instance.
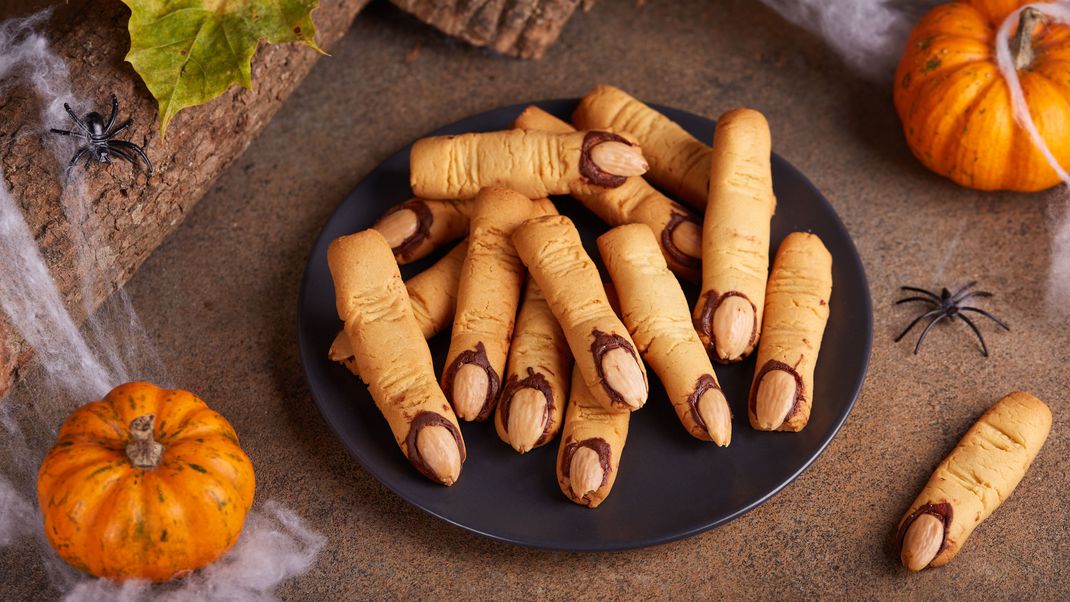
(110, 519)
(956, 107)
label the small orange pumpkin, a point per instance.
(956, 106)
(147, 483)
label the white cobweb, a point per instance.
(74, 366)
(1058, 293)
(869, 35)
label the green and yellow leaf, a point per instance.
(190, 51)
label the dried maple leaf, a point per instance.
(190, 51)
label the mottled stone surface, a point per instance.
(220, 299)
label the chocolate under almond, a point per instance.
(437, 461)
(618, 374)
(673, 238)
(456, 379)
(728, 325)
(771, 403)
(590, 169)
(923, 535)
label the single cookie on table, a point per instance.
(656, 312)
(488, 294)
(537, 374)
(605, 354)
(735, 237)
(392, 355)
(973, 480)
(433, 294)
(592, 440)
(679, 162)
(532, 163)
(635, 201)
(416, 228)
(796, 311)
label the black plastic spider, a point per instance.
(948, 305)
(99, 139)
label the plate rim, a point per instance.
(303, 344)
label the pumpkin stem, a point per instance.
(1022, 45)
(143, 451)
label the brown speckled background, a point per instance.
(219, 298)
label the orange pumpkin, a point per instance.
(956, 106)
(147, 483)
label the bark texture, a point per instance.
(524, 28)
(127, 214)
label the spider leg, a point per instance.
(122, 153)
(69, 133)
(914, 323)
(118, 152)
(115, 132)
(135, 148)
(114, 112)
(972, 295)
(965, 287)
(915, 289)
(922, 299)
(74, 160)
(926, 331)
(78, 122)
(973, 327)
(985, 314)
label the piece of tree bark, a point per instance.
(523, 28)
(129, 214)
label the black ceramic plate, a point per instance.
(670, 485)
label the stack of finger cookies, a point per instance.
(541, 345)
